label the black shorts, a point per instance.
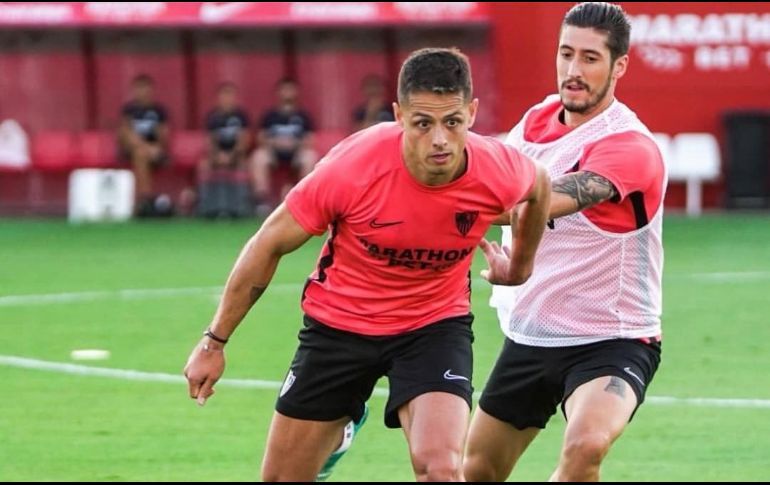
(527, 383)
(334, 372)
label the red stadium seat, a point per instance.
(187, 149)
(54, 151)
(97, 149)
(339, 60)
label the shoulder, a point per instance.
(632, 145)
(628, 159)
(493, 155)
(504, 170)
(366, 154)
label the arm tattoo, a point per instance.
(256, 293)
(616, 386)
(586, 188)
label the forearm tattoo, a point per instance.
(586, 188)
(256, 293)
(616, 386)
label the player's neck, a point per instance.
(574, 119)
(422, 175)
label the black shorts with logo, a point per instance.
(334, 372)
(527, 383)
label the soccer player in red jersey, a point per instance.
(405, 204)
(584, 331)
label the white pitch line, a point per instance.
(130, 294)
(151, 293)
(141, 376)
(732, 276)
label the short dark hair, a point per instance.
(435, 70)
(607, 18)
(143, 79)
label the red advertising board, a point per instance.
(688, 61)
(238, 13)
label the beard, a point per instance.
(594, 98)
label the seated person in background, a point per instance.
(223, 189)
(375, 109)
(143, 139)
(229, 136)
(285, 140)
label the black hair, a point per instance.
(435, 70)
(607, 18)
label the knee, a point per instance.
(478, 467)
(587, 449)
(437, 465)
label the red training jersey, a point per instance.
(399, 252)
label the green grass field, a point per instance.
(57, 426)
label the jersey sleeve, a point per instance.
(522, 172)
(322, 197)
(631, 161)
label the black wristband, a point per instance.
(208, 333)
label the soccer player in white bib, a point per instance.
(584, 331)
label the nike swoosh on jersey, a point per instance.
(379, 225)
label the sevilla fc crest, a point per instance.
(465, 220)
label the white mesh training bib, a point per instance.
(588, 284)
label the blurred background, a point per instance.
(179, 111)
(67, 73)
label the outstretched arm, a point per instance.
(576, 191)
(572, 193)
(528, 225)
(279, 235)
